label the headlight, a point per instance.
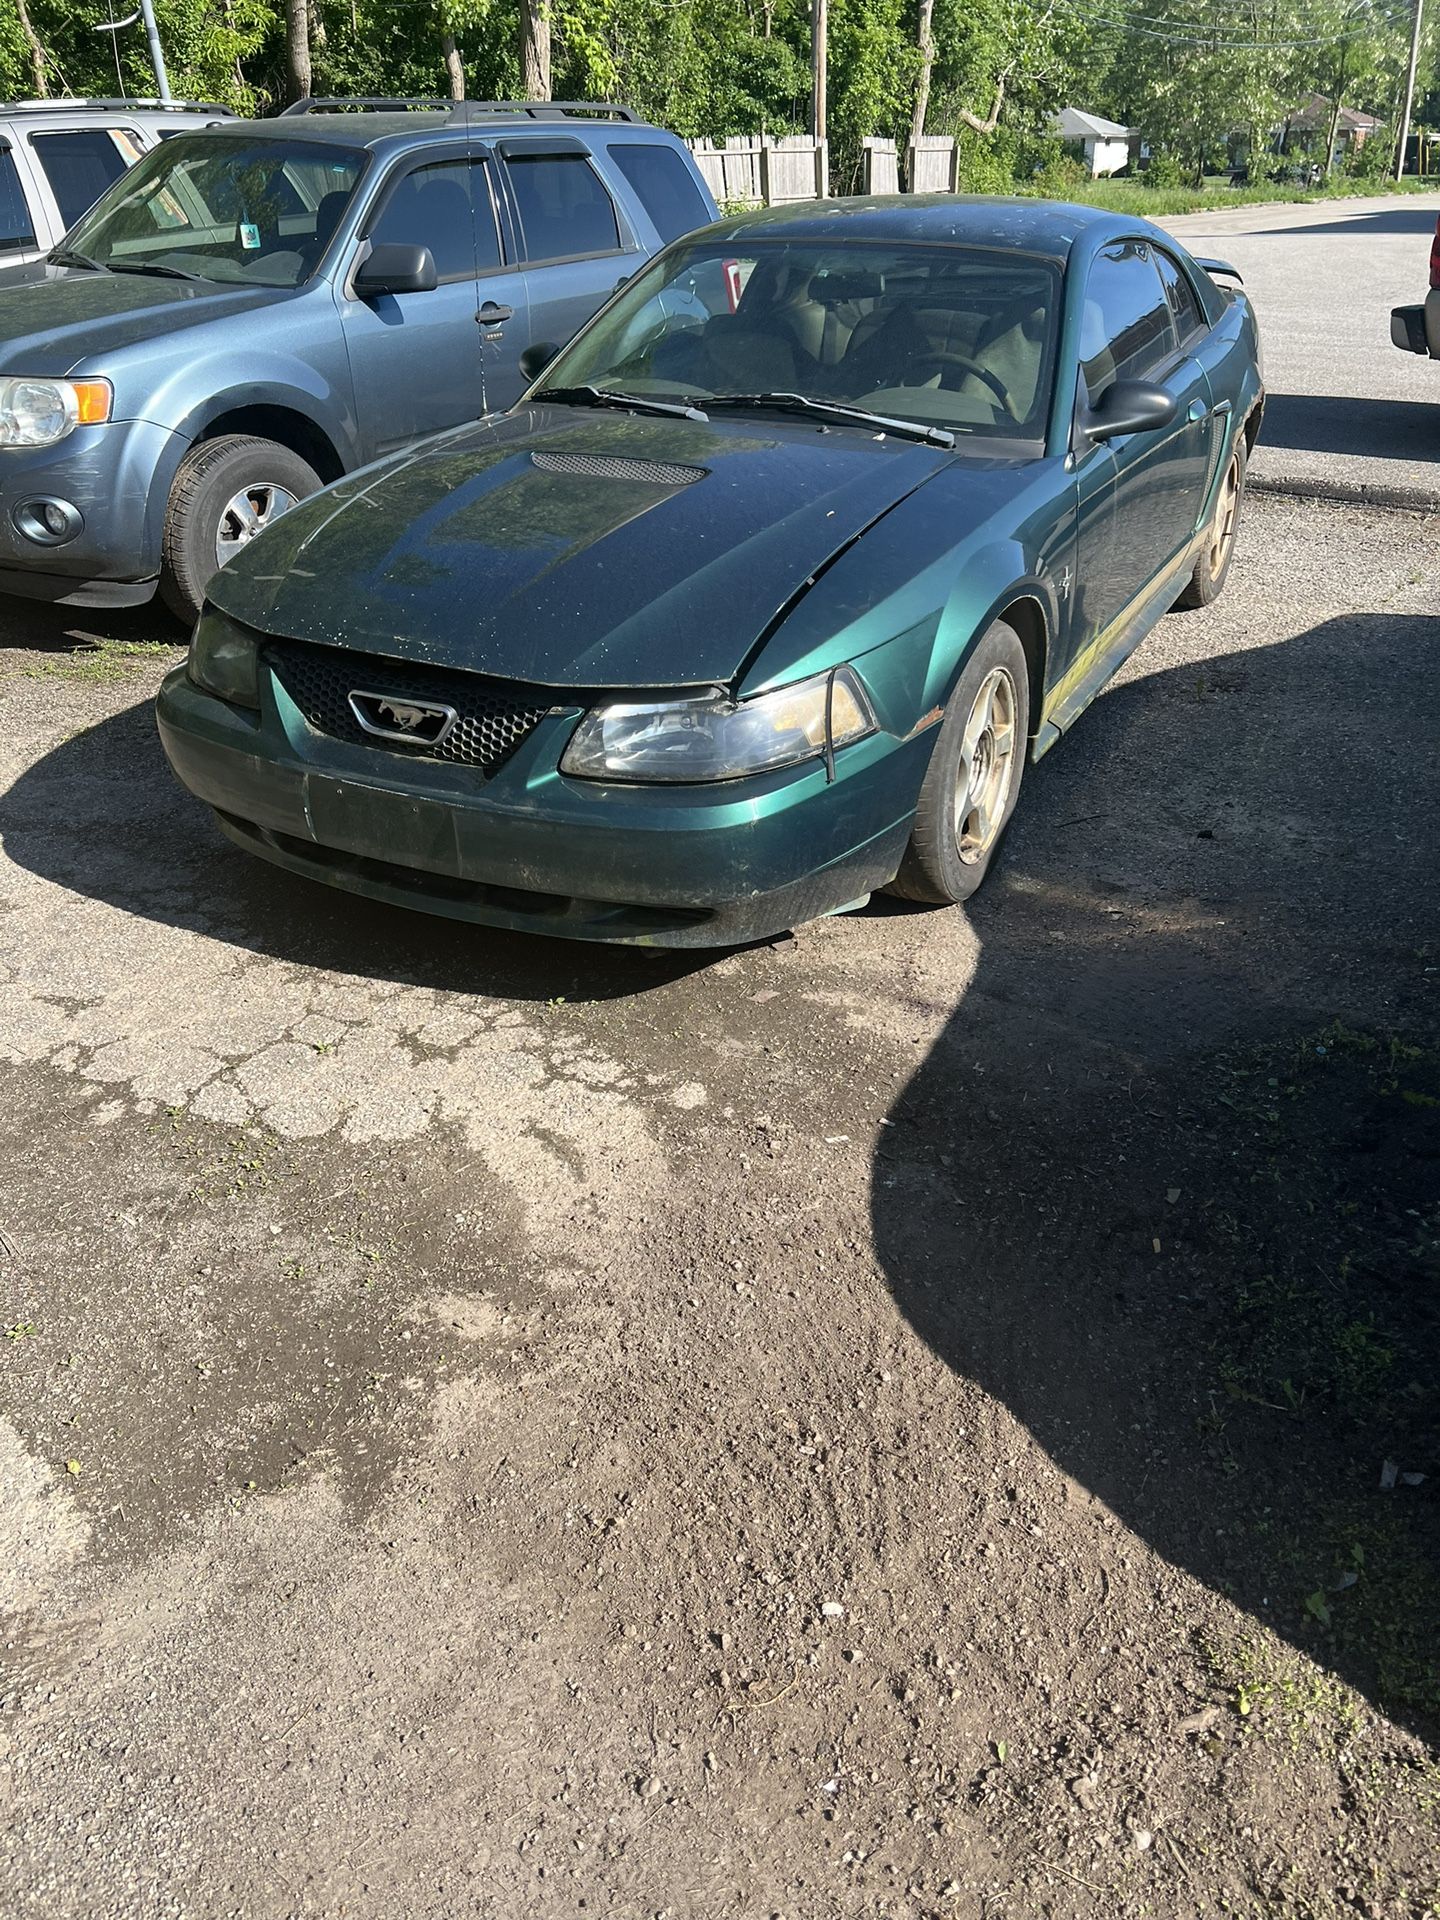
(225, 660)
(708, 737)
(37, 413)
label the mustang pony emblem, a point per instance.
(418, 723)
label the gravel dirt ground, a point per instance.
(888, 1423)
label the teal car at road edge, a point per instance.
(762, 598)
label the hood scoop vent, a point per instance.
(608, 466)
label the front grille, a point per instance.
(610, 466)
(494, 715)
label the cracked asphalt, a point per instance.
(483, 1427)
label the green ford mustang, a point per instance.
(762, 597)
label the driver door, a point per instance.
(1136, 494)
(422, 362)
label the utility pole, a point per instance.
(1409, 89)
(157, 55)
(819, 11)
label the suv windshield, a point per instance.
(947, 336)
(250, 212)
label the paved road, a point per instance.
(1348, 411)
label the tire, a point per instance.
(1208, 579)
(212, 477)
(952, 844)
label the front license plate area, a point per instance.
(393, 827)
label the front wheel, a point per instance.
(226, 491)
(1213, 565)
(973, 780)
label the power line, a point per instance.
(1219, 40)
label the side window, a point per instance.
(563, 207)
(447, 208)
(17, 229)
(1179, 296)
(664, 186)
(79, 167)
(1127, 330)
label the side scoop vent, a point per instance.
(606, 466)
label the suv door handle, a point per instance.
(491, 315)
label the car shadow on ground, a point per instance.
(40, 626)
(1360, 428)
(1377, 225)
(103, 815)
(1167, 1185)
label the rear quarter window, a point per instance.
(664, 186)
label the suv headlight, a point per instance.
(37, 413)
(709, 737)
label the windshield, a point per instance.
(955, 337)
(247, 212)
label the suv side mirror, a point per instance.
(535, 358)
(393, 266)
(1130, 406)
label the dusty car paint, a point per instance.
(794, 551)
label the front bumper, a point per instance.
(118, 478)
(1416, 329)
(534, 851)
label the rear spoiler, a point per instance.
(1220, 266)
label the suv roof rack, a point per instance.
(461, 109)
(71, 104)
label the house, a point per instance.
(1105, 145)
(1307, 127)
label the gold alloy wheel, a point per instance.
(987, 766)
(1227, 508)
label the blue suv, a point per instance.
(256, 309)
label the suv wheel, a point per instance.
(226, 491)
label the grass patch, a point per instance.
(99, 665)
(1151, 203)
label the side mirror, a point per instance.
(535, 358)
(395, 267)
(1130, 406)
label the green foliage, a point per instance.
(711, 68)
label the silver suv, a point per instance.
(58, 156)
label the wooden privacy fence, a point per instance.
(766, 172)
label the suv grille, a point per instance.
(494, 715)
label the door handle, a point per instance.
(1198, 410)
(491, 315)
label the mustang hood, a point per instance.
(574, 548)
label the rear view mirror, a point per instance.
(394, 266)
(1130, 406)
(535, 358)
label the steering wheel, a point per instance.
(944, 357)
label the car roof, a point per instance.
(1046, 227)
(370, 129)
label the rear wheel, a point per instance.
(973, 780)
(226, 491)
(1218, 551)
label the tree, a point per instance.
(297, 50)
(534, 50)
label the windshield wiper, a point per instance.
(835, 410)
(68, 257)
(631, 402)
(153, 266)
